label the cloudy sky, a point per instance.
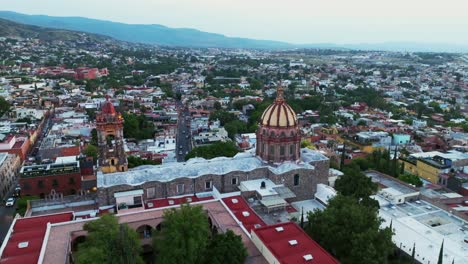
(296, 21)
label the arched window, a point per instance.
(158, 227)
(144, 231)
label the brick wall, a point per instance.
(43, 185)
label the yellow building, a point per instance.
(430, 165)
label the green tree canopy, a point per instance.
(350, 231)
(91, 151)
(184, 236)
(217, 149)
(355, 184)
(137, 126)
(109, 242)
(136, 161)
(4, 106)
(223, 116)
(411, 179)
(226, 248)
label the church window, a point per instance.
(296, 179)
(150, 192)
(180, 188)
(234, 180)
(208, 184)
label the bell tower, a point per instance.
(109, 126)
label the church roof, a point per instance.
(279, 114)
(108, 107)
(197, 167)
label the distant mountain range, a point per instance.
(13, 29)
(186, 37)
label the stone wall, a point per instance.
(308, 180)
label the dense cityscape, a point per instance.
(119, 152)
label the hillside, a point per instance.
(12, 29)
(185, 37)
(148, 34)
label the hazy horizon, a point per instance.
(298, 21)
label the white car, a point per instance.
(10, 201)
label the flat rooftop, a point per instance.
(290, 245)
(381, 179)
(426, 225)
(243, 212)
(27, 237)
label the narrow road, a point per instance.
(6, 218)
(183, 138)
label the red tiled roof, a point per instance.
(249, 222)
(278, 244)
(158, 203)
(31, 230)
(70, 151)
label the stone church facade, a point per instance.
(278, 158)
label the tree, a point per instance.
(343, 155)
(351, 232)
(236, 127)
(136, 161)
(91, 114)
(226, 248)
(217, 105)
(411, 179)
(94, 138)
(217, 149)
(441, 254)
(4, 106)
(109, 242)
(91, 151)
(92, 85)
(355, 184)
(223, 116)
(137, 126)
(184, 236)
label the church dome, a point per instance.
(279, 114)
(108, 107)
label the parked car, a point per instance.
(10, 202)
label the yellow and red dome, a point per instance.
(279, 114)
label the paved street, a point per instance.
(184, 138)
(6, 218)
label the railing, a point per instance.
(50, 172)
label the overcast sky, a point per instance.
(296, 21)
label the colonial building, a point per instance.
(9, 165)
(63, 178)
(109, 126)
(278, 159)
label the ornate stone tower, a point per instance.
(109, 126)
(278, 137)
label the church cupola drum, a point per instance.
(278, 137)
(109, 126)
